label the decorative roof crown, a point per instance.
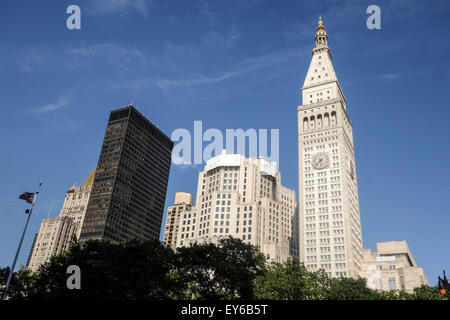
(320, 29)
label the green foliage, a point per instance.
(4, 272)
(128, 271)
(20, 281)
(223, 271)
(351, 289)
(227, 270)
(291, 281)
(428, 293)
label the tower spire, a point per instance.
(321, 36)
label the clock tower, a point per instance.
(330, 226)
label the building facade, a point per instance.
(54, 237)
(130, 184)
(181, 205)
(392, 267)
(330, 227)
(56, 234)
(243, 198)
(76, 201)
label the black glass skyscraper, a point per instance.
(129, 190)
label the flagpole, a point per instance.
(11, 271)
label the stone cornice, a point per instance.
(325, 103)
(318, 104)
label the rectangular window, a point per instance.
(378, 284)
(392, 285)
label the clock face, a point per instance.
(321, 160)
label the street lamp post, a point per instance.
(11, 271)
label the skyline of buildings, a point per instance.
(218, 66)
(280, 247)
(329, 235)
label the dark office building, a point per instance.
(129, 190)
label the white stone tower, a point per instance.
(330, 227)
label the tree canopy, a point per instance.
(229, 269)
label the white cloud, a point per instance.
(120, 7)
(390, 76)
(215, 11)
(62, 102)
(219, 42)
(111, 53)
(34, 58)
(207, 12)
(247, 66)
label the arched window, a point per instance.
(312, 120)
(333, 118)
(326, 119)
(319, 121)
(305, 123)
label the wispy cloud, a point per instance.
(245, 67)
(117, 56)
(220, 42)
(34, 57)
(62, 102)
(389, 76)
(122, 7)
(215, 11)
(207, 12)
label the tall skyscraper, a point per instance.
(181, 205)
(330, 227)
(243, 198)
(130, 184)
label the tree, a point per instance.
(129, 271)
(225, 270)
(20, 281)
(229, 269)
(351, 289)
(428, 293)
(291, 281)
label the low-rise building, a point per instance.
(392, 267)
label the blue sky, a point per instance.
(231, 64)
